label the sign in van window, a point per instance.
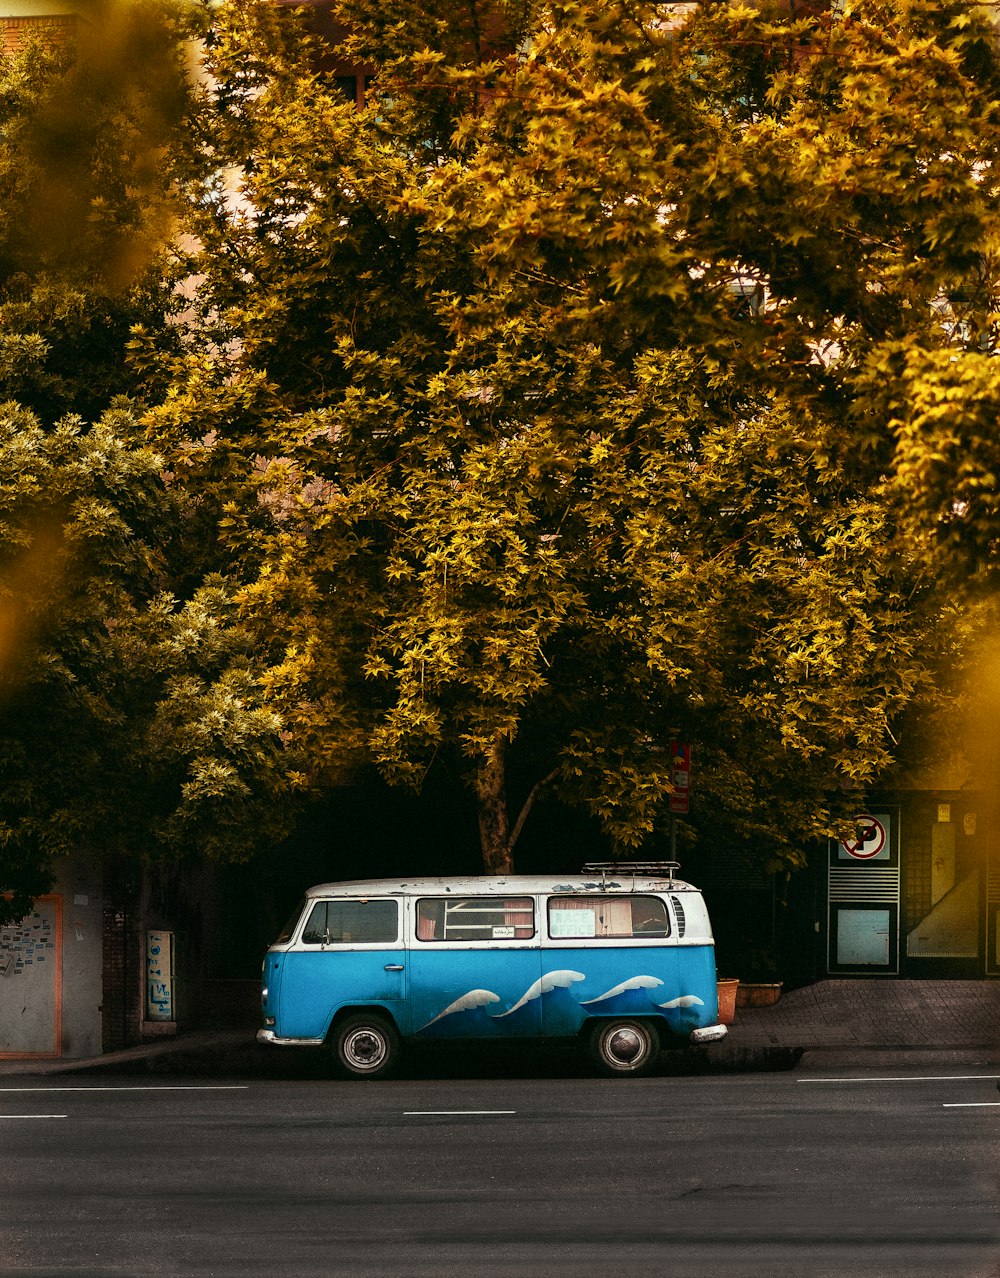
(607, 916)
(352, 923)
(572, 922)
(475, 918)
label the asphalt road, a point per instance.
(778, 1174)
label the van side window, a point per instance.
(352, 922)
(475, 918)
(607, 916)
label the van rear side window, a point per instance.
(352, 923)
(475, 918)
(607, 916)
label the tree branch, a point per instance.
(527, 806)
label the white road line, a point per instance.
(170, 1087)
(906, 1078)
(6, 1116)
(421, 1113)
(970, 1105)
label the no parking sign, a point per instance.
(870, 842)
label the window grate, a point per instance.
(679, 915)
(864, 883)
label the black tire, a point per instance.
(625, 1047)
(366, 1045)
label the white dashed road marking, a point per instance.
(169, 1087)
(907, 1078)
(423, 1113)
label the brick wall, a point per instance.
(121, 1011)
(16, 32)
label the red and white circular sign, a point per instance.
(870, 839)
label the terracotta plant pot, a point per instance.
(727, 1000)
(758, 994)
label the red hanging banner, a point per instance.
(680, 776)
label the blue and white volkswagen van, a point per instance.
(620, 957)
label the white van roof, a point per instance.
(509, 885)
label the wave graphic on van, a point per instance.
(624, 987)
(685, 1000)
(467, 1003)
(559, 980)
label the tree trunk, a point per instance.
(494, 826)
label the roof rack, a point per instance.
(647, 869)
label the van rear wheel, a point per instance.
(624, 1047)
(366, 1046)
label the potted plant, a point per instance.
(728, 988)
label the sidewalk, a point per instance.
(825, 1025)
(837, 1021)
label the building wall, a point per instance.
(80, 885)
(121, 965)
(944, 860)
(50, 970)
(929, 905)
(22, 20)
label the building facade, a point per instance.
(917, 892)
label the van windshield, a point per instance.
(285, 934)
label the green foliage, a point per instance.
(130, 720)
(517, 480)
(86, 127)
(608, 375)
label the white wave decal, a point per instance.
(633, 983)
(685, 1000)
(474, 999)
(550, 981)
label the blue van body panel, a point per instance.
(474, 993)
(316, 984)
(271, 978)
(554, 992)
(594, 981)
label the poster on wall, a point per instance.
(159, 976)
(30, 982)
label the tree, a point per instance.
(130, 725)
(128, 717)
(517, 480)
(88, 126)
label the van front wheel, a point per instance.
(624, 1047)
(366, 1046)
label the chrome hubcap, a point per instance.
(365, 1048)
(625, 1046)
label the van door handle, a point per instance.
(393, 967)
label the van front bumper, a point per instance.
(709, 1034)
(269, 1036)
